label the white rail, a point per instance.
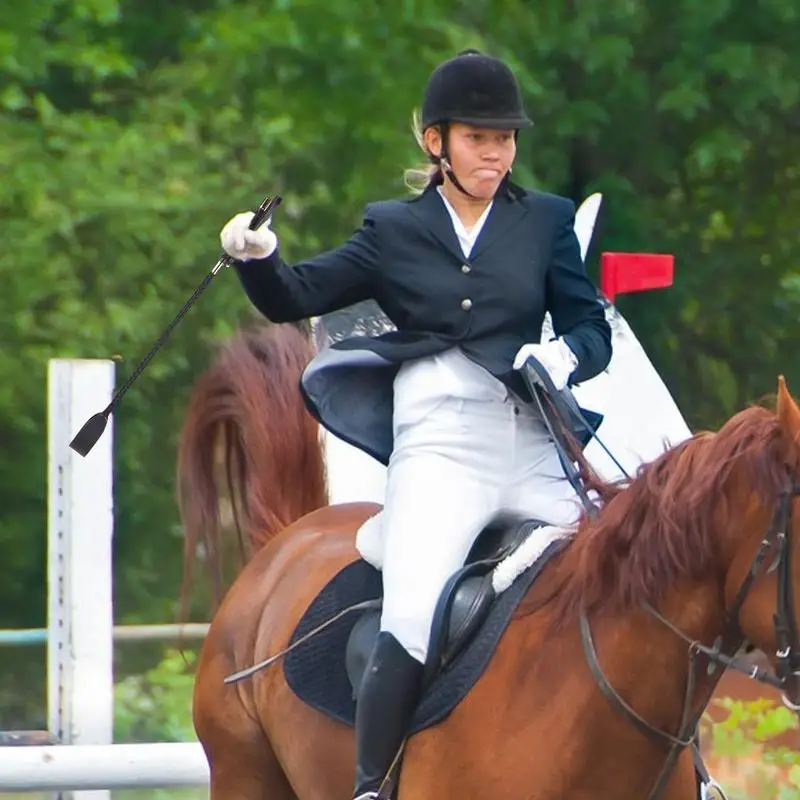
(89, 767)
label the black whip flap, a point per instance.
(86, 438)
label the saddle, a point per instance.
(333, 640)
(462, 607)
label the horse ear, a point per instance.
(788, 412)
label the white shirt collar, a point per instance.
(466, 238)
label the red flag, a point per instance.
(634, 272)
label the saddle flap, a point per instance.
(463, 606)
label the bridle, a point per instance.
(776, 541)
(722, 653)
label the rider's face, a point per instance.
(480, 157)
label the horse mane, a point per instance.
(246, 419)
(668, 523)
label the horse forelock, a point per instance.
(670, 522)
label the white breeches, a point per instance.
(450, 473)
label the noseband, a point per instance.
(722, 653)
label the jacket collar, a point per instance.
(506, 212)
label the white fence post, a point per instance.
(80, 532)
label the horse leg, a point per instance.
(242, 762)
(251, 772)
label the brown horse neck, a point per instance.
(648, 664)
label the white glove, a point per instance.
(239, 242)
(555, 356)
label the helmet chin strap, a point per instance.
(448, 170)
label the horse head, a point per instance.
(762, 585)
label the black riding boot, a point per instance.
(386, 703)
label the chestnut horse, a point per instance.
(584, 694)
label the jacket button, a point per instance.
(466, 304)
(466, 268)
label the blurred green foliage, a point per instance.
(156, 705)
(746, 736)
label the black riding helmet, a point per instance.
(474, 89)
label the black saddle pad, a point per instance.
(315, 670)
